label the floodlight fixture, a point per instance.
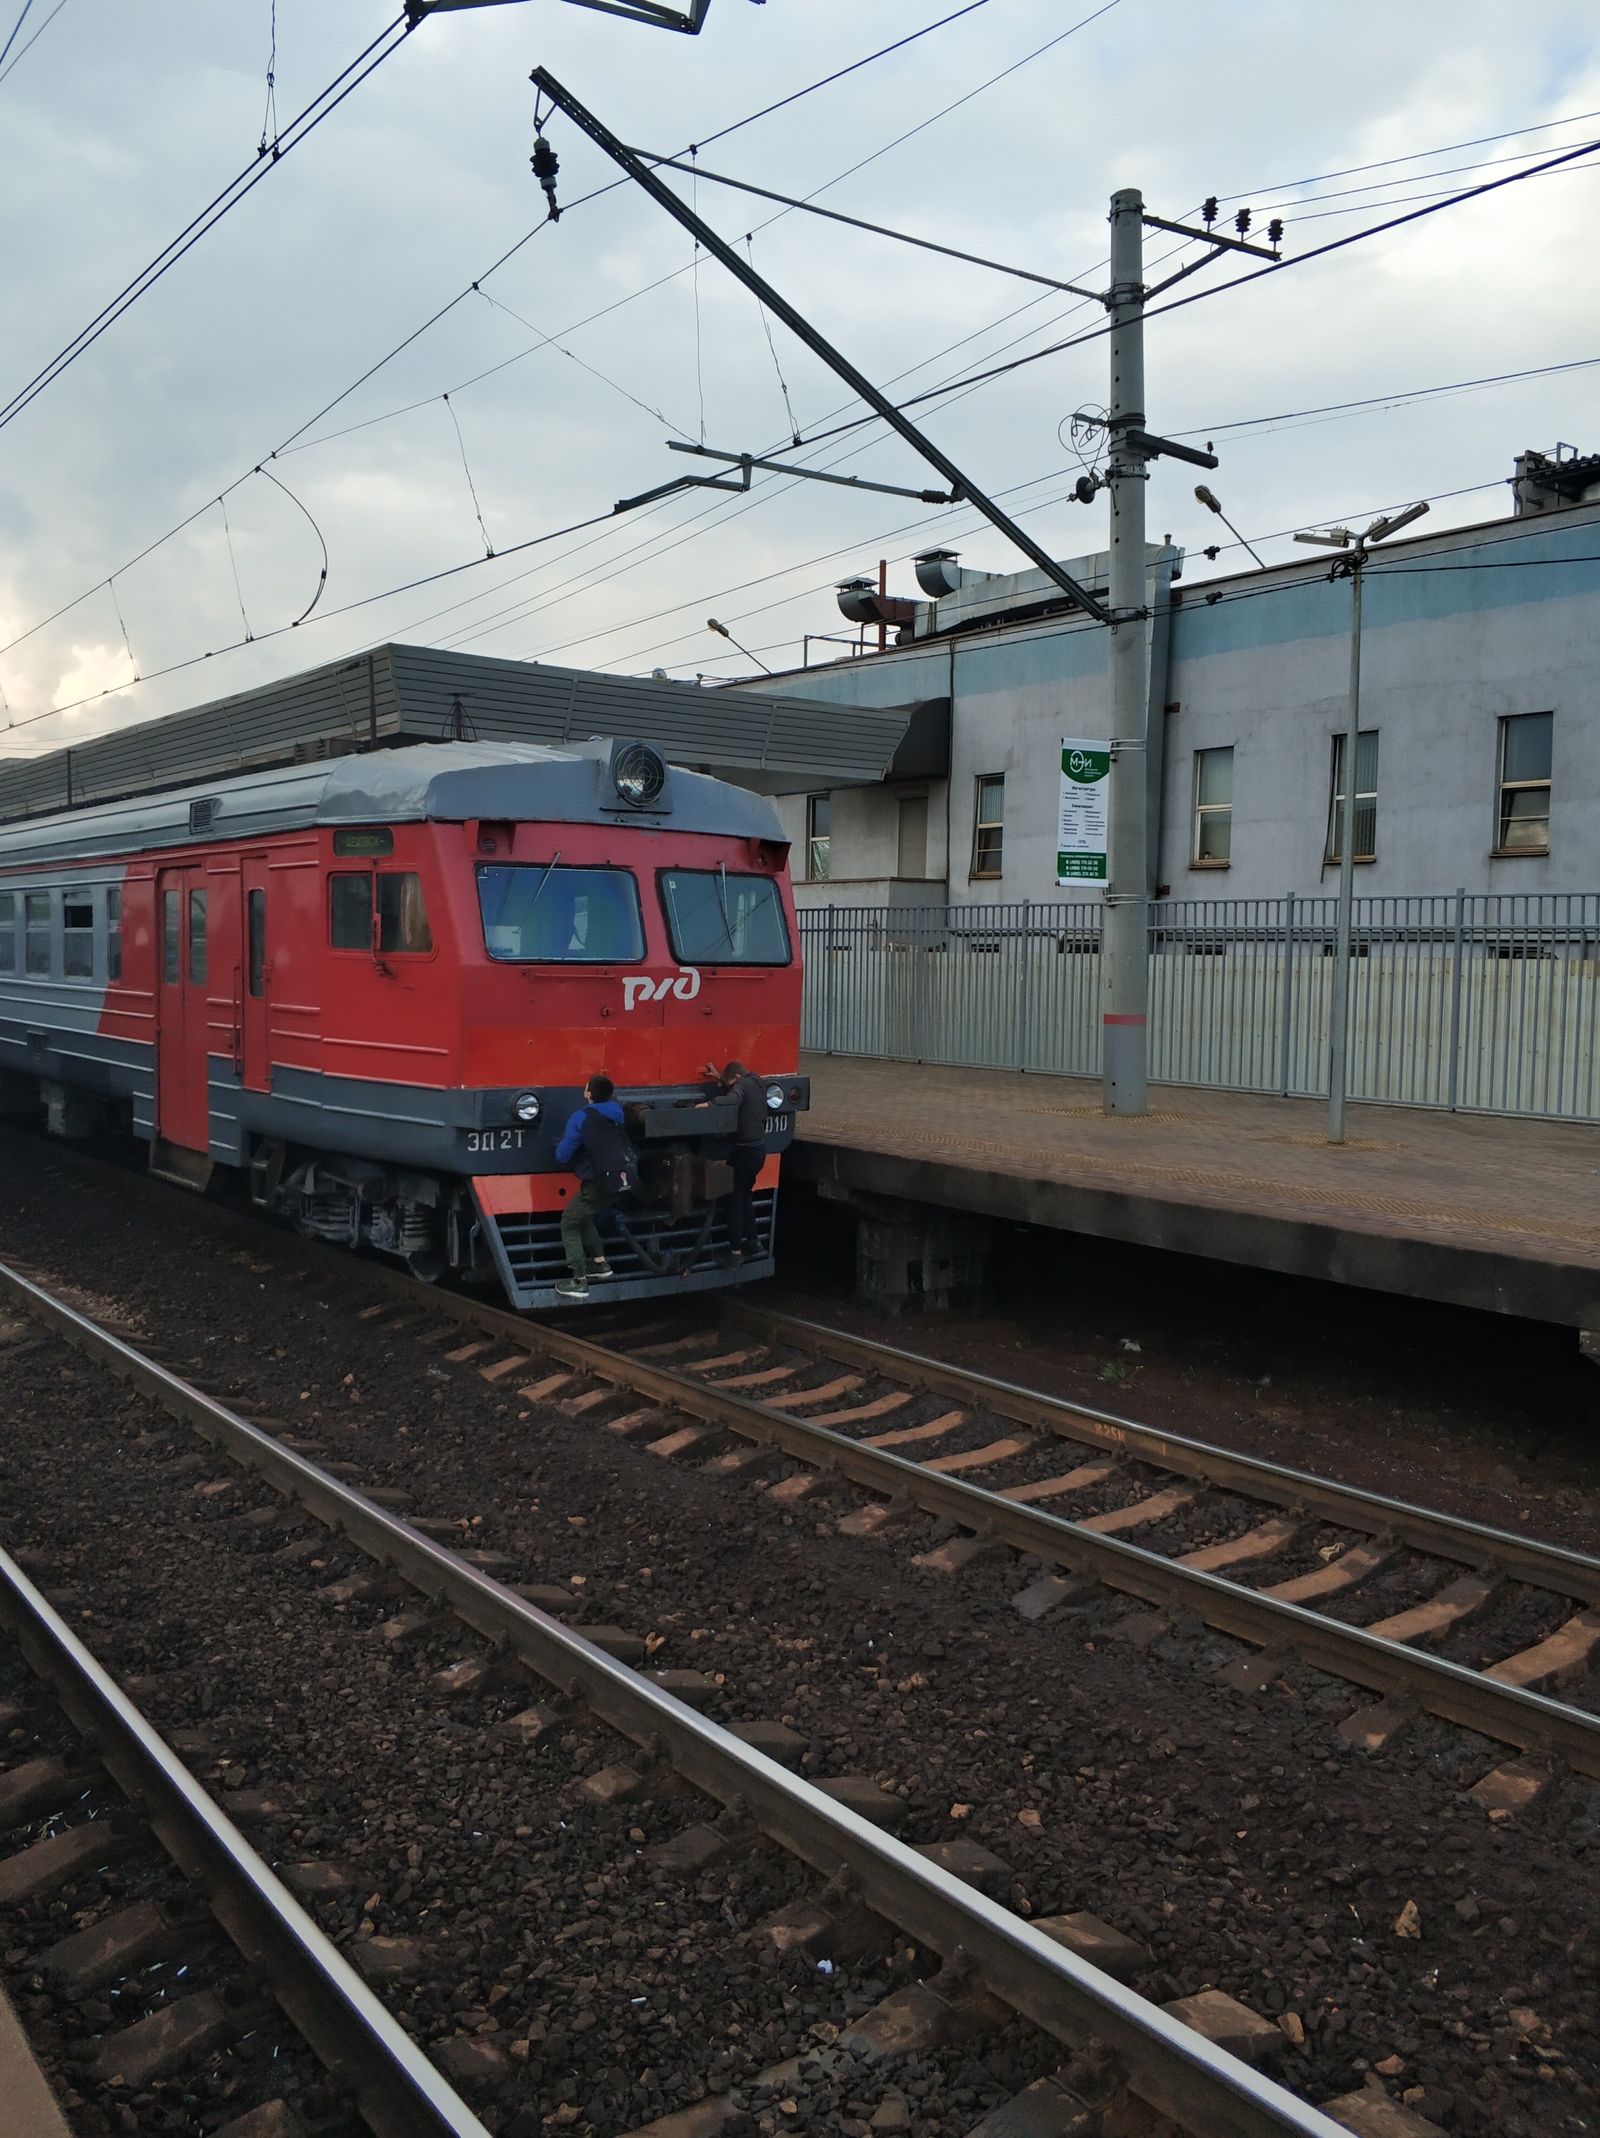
(722, 631)
(1380, 530)
(1213, 503)
(1335, 538)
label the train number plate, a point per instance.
(494, 1139)
(779, 1124)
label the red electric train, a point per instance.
(378, 985)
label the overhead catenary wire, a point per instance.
(18, 57)
(290, 442)
(305, 123)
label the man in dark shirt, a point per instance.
(748, 1154)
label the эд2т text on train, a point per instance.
(378, 985)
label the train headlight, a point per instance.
(774, 1098)
(638, 774)
(527, 1107)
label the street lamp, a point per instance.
(1209, 499)
(722, 631)
(1349, 566)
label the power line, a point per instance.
(32, 41)
(290, 442)
(304, 124)
(1278, 267)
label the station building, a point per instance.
(1479, 762)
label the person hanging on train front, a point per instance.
(748, 1155)
(595, 1145)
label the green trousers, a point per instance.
(580, 1237)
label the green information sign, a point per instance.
(1081, 837)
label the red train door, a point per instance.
(181, 1084)
(257, 972)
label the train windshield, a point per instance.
(717, 918)
(570, 916)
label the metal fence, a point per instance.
(1484, 1004)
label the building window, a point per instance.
(819, 836)
(36, 930)
(1366, 840)
(988, 835)
(1525, 784)
(1213, 808)
(114, 934)
(911, 853)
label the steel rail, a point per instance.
(1531, 1721)
(1543, 1566)
(397, 2091)
(1508, 1713)
(1202, 2088)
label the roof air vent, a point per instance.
(203, 815)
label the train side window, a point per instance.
(114, 933)
(36, 930)
(197, 938)
(403, 913)
(77, 935)
(8, 931)
(256, 922)
(350, 912)
(171, 937)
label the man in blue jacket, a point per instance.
(580, 1238)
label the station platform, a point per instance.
(1482, 1211)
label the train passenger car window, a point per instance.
(350, 912)
(197, 938)
(402, 913)
(171, 937)
(114, 934)
(569, 916)
(716, 918)
(77, 935)
(8, 931)
(36, 929)
(256, 923)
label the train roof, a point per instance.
(448, 782)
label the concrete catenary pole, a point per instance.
(1124, 975)
(1339, 1008)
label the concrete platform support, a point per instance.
(913, 1258)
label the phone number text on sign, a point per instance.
(1081, 835)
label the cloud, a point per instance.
(97, 671)
(123, 122)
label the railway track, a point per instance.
(394, 2088)
(985, 1947)
(1348, 1540)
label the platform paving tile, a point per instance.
(1508, 1185)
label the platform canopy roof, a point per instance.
(398, 695)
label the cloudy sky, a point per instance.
(569, 366)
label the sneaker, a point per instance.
(736, 1258)
(574, 1288)
(602, 1268)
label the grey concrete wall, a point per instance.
(1461, 629)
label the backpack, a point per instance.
(615, 1161)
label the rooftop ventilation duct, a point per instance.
(939, 572)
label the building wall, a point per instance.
(1460, 630)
